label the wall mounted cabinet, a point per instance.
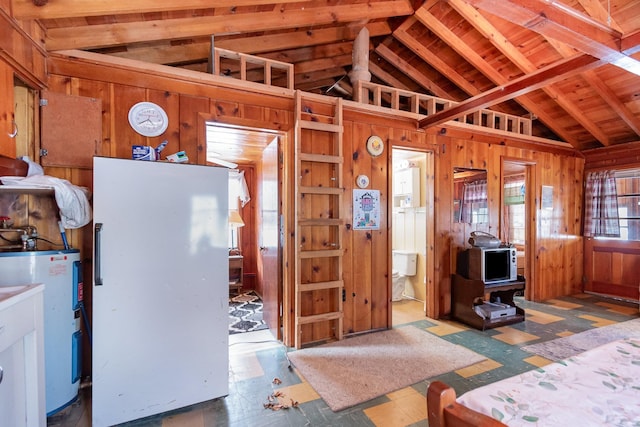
(406, 188)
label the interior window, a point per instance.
(470, 196)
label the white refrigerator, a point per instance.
(160, 288)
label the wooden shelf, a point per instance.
(235, 272)
(467, 293)
(19, 189)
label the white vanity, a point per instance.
(22, 392)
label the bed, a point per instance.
(596, 388)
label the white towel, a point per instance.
(75, 211)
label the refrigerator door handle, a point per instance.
(97, 276)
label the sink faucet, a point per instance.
(29, 238)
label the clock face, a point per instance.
(148, 119)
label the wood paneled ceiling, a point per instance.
(572, 65)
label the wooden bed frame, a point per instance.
(444, 411)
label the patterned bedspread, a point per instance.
(600, 387)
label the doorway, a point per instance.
(255, 153)
(411, 221)
(518, 211)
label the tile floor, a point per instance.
(255, 360)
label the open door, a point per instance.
(269, 275)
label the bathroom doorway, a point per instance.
(411, 214)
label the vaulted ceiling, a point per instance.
(571, 65)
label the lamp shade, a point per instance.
(235, 219)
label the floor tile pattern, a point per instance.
(259, 370)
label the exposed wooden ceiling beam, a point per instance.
(597, 11)
(170, 54)
(60, 9)
(410, 71)
(502, 43)
(630, 43)
(402, 35)
(530, 82)
(320, 64)
(104, 35)
(306, 78)
(445, 34)
(386, 77)
(613, 101)
(557, 20)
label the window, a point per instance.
(628, 191)
(474, 202)
(514, 192)
(516, 224)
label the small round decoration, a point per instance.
(362, 181)
(375, 145)
(148, 119)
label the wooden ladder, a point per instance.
(319, 217)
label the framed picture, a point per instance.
(366, 209)
(547, 197)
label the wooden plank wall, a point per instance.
(185, 109)
(367, 261)
(558, 243)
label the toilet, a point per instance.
(403, 265)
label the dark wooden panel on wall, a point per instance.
(71, 130)
(611, 267)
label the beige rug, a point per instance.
(354, 370)
(565, 347)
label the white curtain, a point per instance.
(238, 189)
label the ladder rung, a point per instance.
(307, 222)
(326, 127)
(321, 254)
(306, 287)
(321, 158)
(303, 320)
(321, 190)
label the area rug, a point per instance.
(245, 313)
(562, 348)
(354, 370)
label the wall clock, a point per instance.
(375, 145)
(148, 119)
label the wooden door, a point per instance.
(71, 130)
(268, 237)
